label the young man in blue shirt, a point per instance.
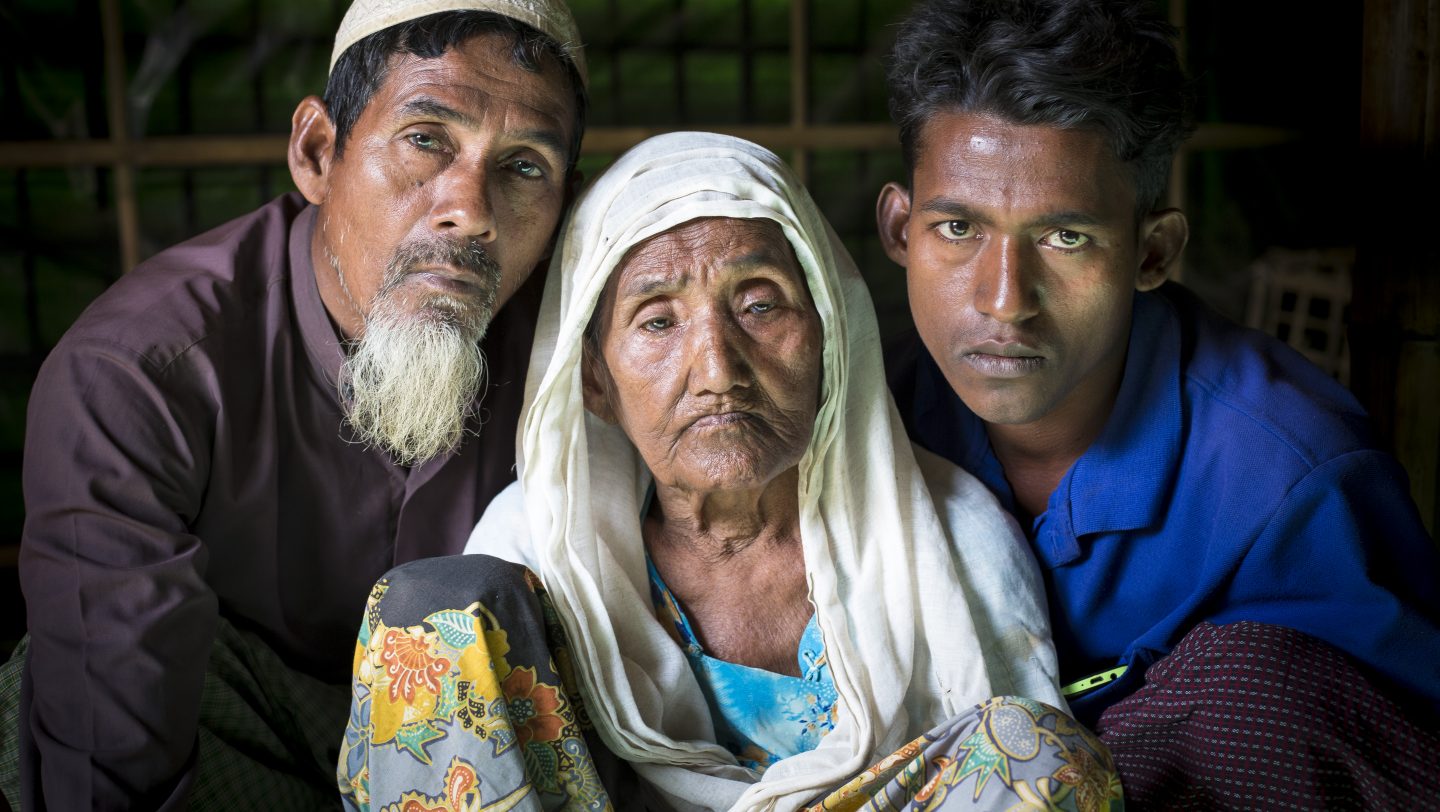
(1176, 474)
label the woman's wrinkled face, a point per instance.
(709, 354)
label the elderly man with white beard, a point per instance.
(239, 437)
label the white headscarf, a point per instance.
(891, 609)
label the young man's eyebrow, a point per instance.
(950, 207)
(1061, 219)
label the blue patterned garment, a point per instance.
(759, 715)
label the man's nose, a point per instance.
(1005, 285)
(717, 359)
(460, 208)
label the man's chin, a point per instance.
(1010, 408)
(468, 314)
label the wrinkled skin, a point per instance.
(457, 167)
(711, 355)
(709, 358)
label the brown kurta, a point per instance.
(186, 455)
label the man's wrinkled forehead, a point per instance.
(463, 85)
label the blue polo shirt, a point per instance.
(1233, 481)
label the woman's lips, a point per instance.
(721, 419)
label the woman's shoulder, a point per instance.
(1001, 578)
(969, 511)
(503, 531)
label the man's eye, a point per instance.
(656, 324)
(760, 307)
(528, 169)
(1065, 239)
(424, 141)
(957, 230)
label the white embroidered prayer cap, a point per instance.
(550, 17)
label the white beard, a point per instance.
(410, 382)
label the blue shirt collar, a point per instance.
(1122, 481)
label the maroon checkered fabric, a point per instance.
(1251, 716)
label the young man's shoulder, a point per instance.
(1248, 390)
(186, 294)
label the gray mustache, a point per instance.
(469, 256)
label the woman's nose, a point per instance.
(717, 361)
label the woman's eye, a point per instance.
(1065, 239)
(957, 230)
(760, 307)
(656, 324)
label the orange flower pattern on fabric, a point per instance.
(534, 707)
(409, 662)
(444, 691)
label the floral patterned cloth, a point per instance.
(464, 709)
(1007, 753)
(477, 709)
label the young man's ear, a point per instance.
(595, 385)
(892, 216)
(312, 149)
(1163, 235)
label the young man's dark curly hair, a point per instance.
(1106, 65)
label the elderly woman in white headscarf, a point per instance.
(756, 591)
